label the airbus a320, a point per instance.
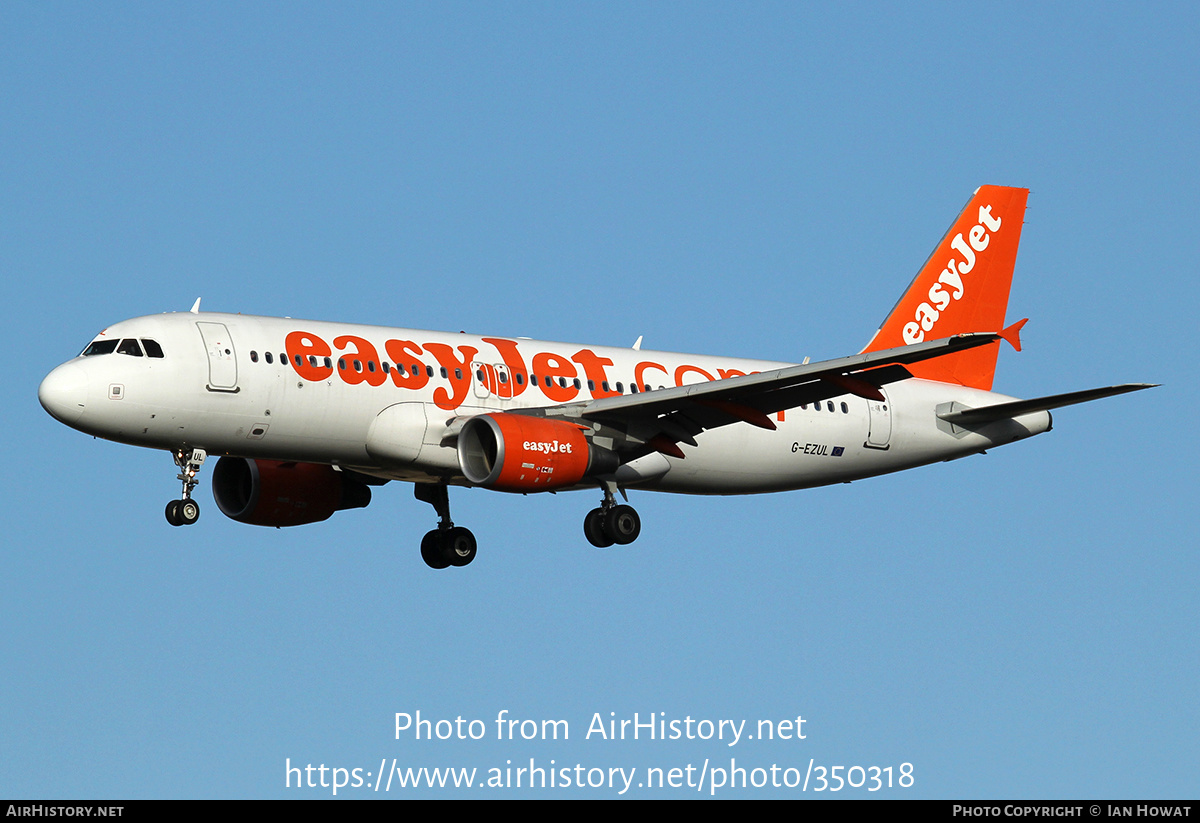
(307, 416)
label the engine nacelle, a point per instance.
(274, 493)
(518, 453)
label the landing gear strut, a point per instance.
(611, 523)
(186, 511)
(447, 545)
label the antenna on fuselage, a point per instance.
(637, 344)
(196, 306)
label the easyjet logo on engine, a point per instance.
(547, 447)
(950, 286)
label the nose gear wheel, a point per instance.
(186, 511)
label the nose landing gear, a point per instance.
(186, 511)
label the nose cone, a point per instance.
(64, 392)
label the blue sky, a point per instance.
(755, 180)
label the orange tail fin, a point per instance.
(963, 287)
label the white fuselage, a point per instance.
(313, 391)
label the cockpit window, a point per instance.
(100, 347)
(152, 347)
(130, 346)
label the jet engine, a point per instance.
(274, 493)
(519, 453)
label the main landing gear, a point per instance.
(447, 545)
(611, 523)
(186, 511)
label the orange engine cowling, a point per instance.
(274, 493)
(518, 453)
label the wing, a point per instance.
(658, 420)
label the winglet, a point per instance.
(1013, 333)
(196, 306)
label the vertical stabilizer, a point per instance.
(963, 287)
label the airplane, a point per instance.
(308, 415)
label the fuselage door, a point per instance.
(879, 415)
(222, 359)
(491, 382)
(504, 388)
(482, 378)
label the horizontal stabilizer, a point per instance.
(1005, 411)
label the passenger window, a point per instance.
(130, 346)
(152, 348)
(268, 357)
(845, 409)
(253, 356)
(620, 388)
